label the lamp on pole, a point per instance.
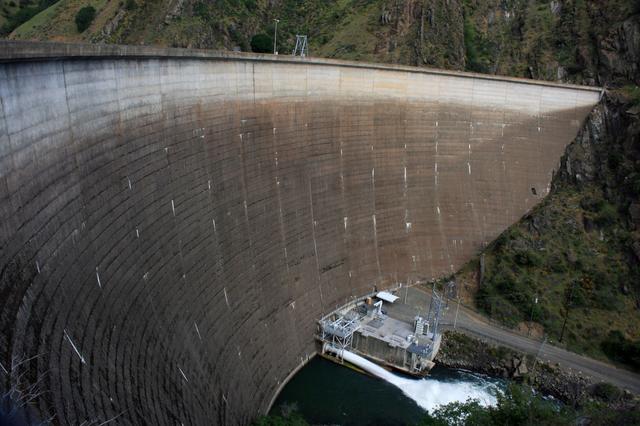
(275, 37)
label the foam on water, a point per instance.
(429, 393)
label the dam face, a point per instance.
(174, 222)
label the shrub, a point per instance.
(22, 16)
(526, 257)
(131, 5)
(85, 17)
(261, 43)
(607, 215)
(619, 348)
(606, 392)
(201, 10)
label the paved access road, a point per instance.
(470, 322)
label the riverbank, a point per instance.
(462, 351)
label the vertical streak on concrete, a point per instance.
(315, 243)
(283, 237)
(503, 160)
(436, 190)
(375, 228)
(343, 204)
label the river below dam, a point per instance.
(326, 393)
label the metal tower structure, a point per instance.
(302, 47)
(435, 310)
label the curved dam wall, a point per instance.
(174, 222)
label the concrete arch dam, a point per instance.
(173, 222)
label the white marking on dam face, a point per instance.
(274, 130)
(226, 298)
(98, 277)
(197, 330)
(469, 167)
(405, 176)
(345, 222)
(183, 375)
(74, 347)
(214, 224)
(438, 210)
(408, 226)
(38, 266)
(137, 233)
(129, 181)
(173, 208)
(209, 184)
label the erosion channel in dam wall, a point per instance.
(174, 222)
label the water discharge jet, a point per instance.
(427, 393)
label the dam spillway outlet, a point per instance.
(365, 328)
(173, 221)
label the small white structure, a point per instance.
(386, 296)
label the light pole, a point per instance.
(531, 316)
(275, 37)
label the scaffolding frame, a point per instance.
(302, 47)
(339, 332)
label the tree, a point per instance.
(261, 43)
(85, 17)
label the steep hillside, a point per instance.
(555, 40)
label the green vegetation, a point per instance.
(262, 43)
(85, 17)
(619, 348)
(517, 406)
(15, 14)
(292, 419)
(571, 254)
(632, 93)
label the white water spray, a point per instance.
(427, 393)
